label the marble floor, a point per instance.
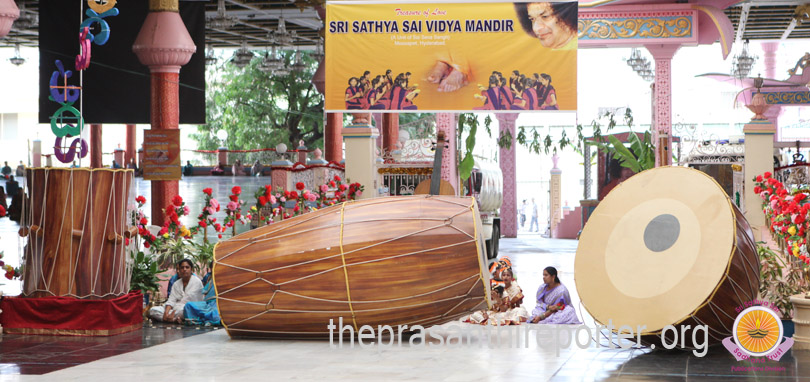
(188, 354)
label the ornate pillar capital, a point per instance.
(164, 6)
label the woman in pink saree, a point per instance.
(553, 302)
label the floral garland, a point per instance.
(206, 219)
(786, 213)
(140, 221)
(233, 210)
(269, 205)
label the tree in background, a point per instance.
(260, 110)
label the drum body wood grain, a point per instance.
(667, 247)
(414, 260)
(76, 220)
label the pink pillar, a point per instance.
(447, 122)
(662, 129)
(164, 45)
(769, 59)
(509, 228)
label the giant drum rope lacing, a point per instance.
(413, 260)
(76, 222)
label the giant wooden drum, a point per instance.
(76, 222)
(412, 260)
(667, 247)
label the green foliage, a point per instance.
(780, 278)
(418, 125)
(537, 143)
(639, 157)
(203, 256)
(144, 273)
(469, 123)
(171, 250)
(259, 110)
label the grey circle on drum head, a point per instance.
(662, 232)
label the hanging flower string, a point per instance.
(206, 217)
(786, 214)
(233, 211)
(271, 205)
(140, 221)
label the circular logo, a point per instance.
(757, 331)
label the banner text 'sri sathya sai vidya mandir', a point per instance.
(437, 191)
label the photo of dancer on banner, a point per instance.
(501, 57)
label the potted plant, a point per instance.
(144, 275)
(203, 257)
(781, 280)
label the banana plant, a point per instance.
(639, 157)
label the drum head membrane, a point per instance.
(655, 248)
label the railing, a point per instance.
(402, 179)
(795, 176)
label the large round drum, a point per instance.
(76, 222)
(415, 260)
(667, 247)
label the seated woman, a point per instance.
(237, 168)
(218, 170)
(553, 302)
(204, 312)
(257, 168)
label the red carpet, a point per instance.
(71, 316)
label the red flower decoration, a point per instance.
(140, 199)
(767, 174)
(203, 224)
(234, 198)
(143, 220)
(208, 191)
(332, 183)
(262, 200)
(300, 185)
(337, 178)
(236, 190)
(177, 200)
(293, 195)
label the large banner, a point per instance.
(501, 57)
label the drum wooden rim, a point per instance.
(693, 285)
